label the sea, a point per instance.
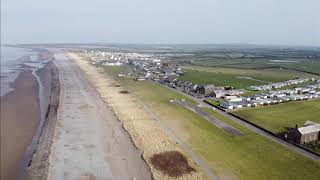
(11, 59)
(14, 60)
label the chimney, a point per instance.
(297, 126)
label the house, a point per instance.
(277, 100)
(226, 105)
(265, 101)
(218, 93)
(285, 98)
(248, 104)
(245, 104)
(141, 79)
(234, 92)
(172, 85)
(310, 132)
(237, 104)
(255, 88)
(259, 102)
(280, 95)
(253, 103)
(235, 99)
(206, 90)
(195, 87)
(262, 96)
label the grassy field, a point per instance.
(234, 77)
(301, 64)
(215, 102)
(313, 66)
(245, 157)
(276, 117)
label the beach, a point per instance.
(145, 131)
(93, 128)
(20, 112)
(88, 140)
(24, 98)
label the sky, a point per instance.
(283, 22)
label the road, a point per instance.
(220, 124)
(89, 142)
(256, 130)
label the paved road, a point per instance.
(89, 142)
(220, 124)
(260, 132)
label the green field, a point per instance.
(245, 157)
(301, 64)
(215, 102)
(277, 117)
(313, 66)
(234, 77)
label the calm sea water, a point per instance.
(11, 57)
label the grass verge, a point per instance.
(250, 156)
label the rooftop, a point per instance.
(309, 129)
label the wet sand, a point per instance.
(38, 167)
(20, 116)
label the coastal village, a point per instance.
(154, 68)
(150, 67)
(160, 90)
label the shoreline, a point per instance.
(24, 108)
(21, 102)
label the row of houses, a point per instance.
(156, 71)
(279, 84)
(119, 58)
(199, 90)
(273, 97)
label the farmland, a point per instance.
(230, 157)
(277, 117)
(313, 66)
(238, 78)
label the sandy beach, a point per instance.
(89, 142)
(20, 114)
(144, 130)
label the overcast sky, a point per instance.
(288, 22)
